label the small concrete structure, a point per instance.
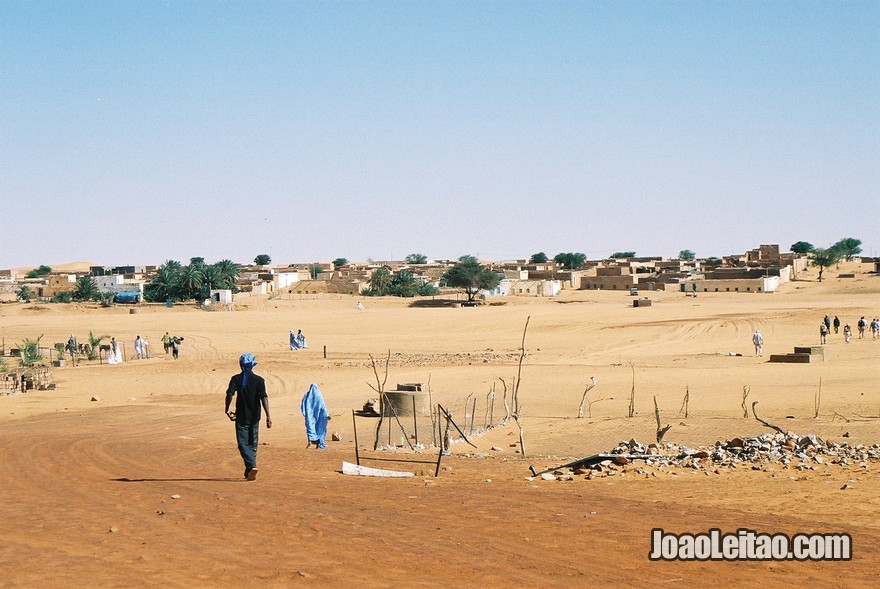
(792, 358)
(406, 403)
(812, 350)
(642, 303)
(801, 355)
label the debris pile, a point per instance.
(787, 450)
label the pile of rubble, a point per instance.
(454, 359)
(787, 450)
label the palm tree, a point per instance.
(95, 345)
(25, 293)
(164, 284)
(380, 281)
(403, 284)
(191, 281)
(86, 289)
(228, 274)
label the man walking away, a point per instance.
(758, 340)
(250, 395)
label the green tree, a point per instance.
(824, 258)
(86, 289)
(190, 283)
(165, 283)
(37, 272)
(380, 281)
(95, 345)
(428, 290)
(24, 293)
(686, 255)
(848, 247)
(403, 284)
(262, 260)
(227, 275)
(470, 276)
(802, 247)
(30, 351)
(339, 262)
(538, 258)
(416, 259)
(570, 260)
(619, 255)
(197, 261)
(65, 296)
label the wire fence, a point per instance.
(410, 419)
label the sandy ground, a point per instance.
(88, 486)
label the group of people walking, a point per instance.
(825, 328)
(862, 324)
(115, 351)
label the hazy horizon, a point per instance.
(137, 132)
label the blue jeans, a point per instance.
(248, 437)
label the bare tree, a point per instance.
(685, 401)
(632, 394)
(584, 399)
(661, 431)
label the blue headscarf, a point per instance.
(247, 363)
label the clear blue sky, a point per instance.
(138, 131)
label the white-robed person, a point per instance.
(113, 356)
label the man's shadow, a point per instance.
(180, 480)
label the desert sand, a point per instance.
(89, 487)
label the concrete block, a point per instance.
(792, 358)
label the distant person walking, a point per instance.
(827, 322)
(250, 395)
(175, 346)
(139, 348)
(847, 333)
(359, 306)
(823, 333)
(836, 323)
(166, 342)
(875, 328)
(862, 325)
(758, 340)
(316, 417)
(301, 339)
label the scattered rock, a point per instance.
(548, 476)
(95, 398)
(175, 496)
(335, 437)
